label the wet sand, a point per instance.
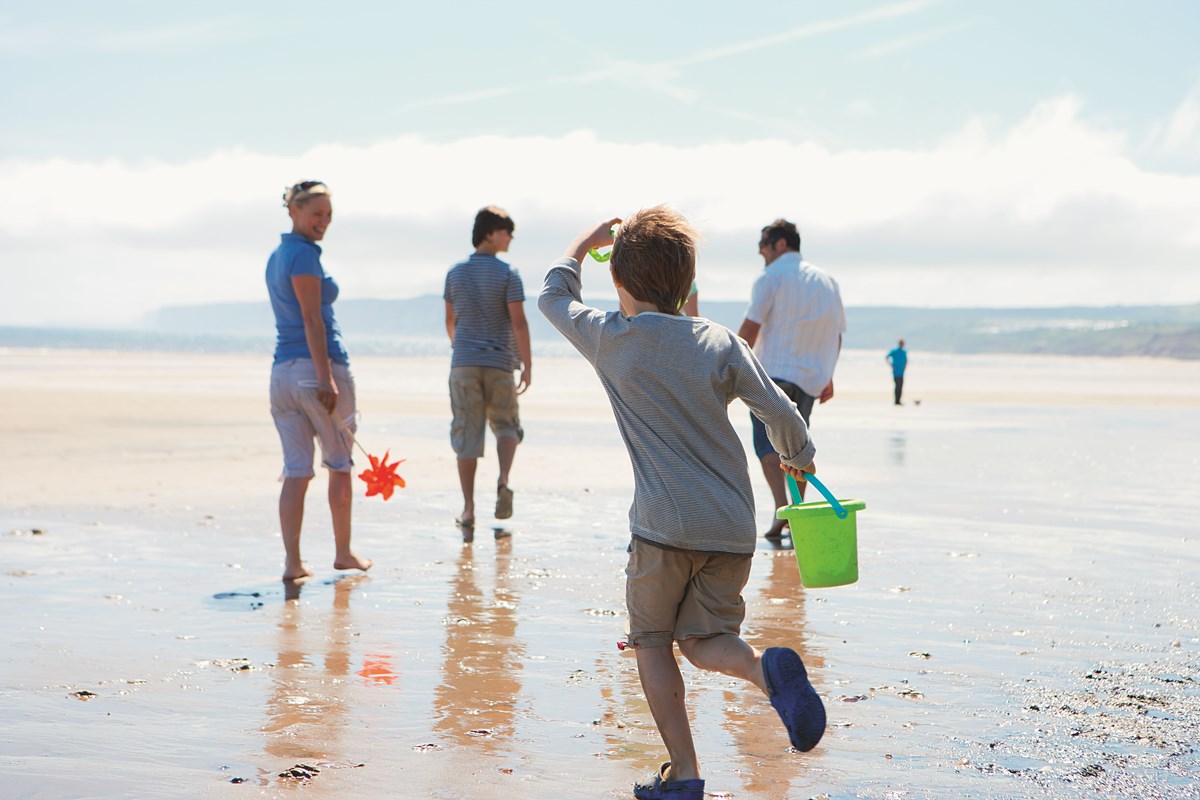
(1025, 623)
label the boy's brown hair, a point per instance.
(490, 218)
(654, 257)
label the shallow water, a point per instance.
(1024, 626)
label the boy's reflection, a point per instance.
(774, 616)
(897, 446)
(474, 705)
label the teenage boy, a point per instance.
(485, 319)
(670, 379)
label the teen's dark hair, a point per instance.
(782, 229)
(654, 257)
(491, 218)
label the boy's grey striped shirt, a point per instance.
(480, 290)
(670, 381)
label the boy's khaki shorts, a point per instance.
(675, 594)
(478, 395)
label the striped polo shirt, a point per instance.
(800, 310)
(670, 380)
(480, 290)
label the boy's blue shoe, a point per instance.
(658, 789)
(802, 712)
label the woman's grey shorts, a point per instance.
(300, 418)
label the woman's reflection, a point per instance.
(307, 706)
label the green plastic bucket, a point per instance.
(826, 546)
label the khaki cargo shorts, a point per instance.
(479, 395)
(681, 594)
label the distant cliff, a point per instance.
(1169, 331)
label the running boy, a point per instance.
(670, 379)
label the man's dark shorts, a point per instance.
(804, 404)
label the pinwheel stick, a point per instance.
(350, 433)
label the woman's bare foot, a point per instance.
(293, 573)
(352, 561)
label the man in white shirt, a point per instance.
(795, 324)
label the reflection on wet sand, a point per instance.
(897, 448)
(475, 703)
(629, 731)
(623, 715)
(764, 761)
(775, 618)
(308, 702)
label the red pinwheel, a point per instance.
(381, 478)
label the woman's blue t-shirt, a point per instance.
(298, 255)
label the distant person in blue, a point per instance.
(312, 391)
(898, 358)
(489, 335)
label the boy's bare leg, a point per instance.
(466, 478)
(291, 517)
(506, 448)
(727, 654)
(341, 496)
(663, 684)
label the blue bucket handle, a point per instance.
(837, 507)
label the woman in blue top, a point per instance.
(312, 391)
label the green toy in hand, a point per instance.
(602, 257)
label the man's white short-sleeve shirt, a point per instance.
(799, 309)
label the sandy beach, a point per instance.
(1024, 625)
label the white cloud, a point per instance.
(22, 40)
(1182, 134)
(860, 108)
(809, 30)
(665, 76)
(172, 37)
(461, 98)
(900, 44)
(42, 41)
(984, 218)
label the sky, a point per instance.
(934, 153)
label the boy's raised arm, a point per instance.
(561, 298)
(598, 236)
